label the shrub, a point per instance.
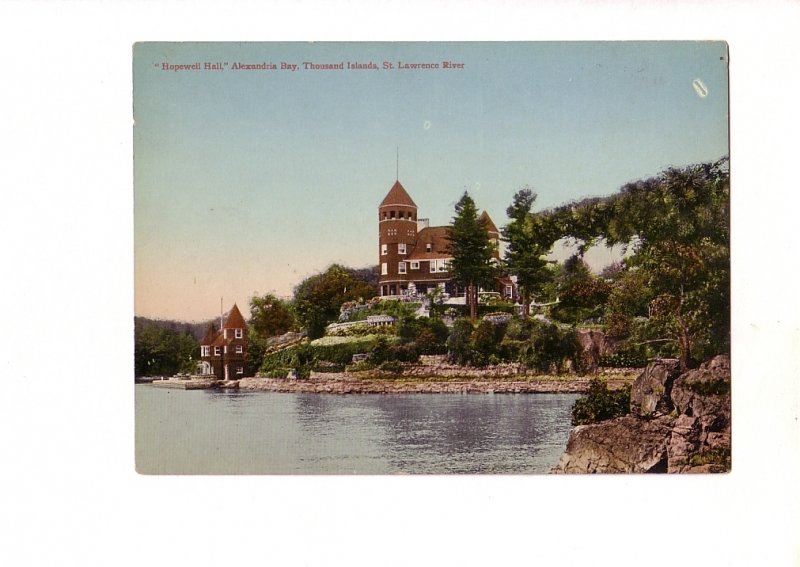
(380, 352)
(458, 343)
(403, 353)
(600, 403)
(484, 339)
(627, 355)
(548, 346)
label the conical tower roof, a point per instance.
(234, 320)
(397, 195)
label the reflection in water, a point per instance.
(192, 432)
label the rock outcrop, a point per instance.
(593, 345)
(651, 391)
(678, 424)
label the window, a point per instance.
(216, 351)
(391, 215)
(239, 349)
(438, 266)
(205, 351)
(238, 333)
(384, 268)
(384, 249)
(415, 265)
(401, 248)
(225, 349)
(239, 370)
(401, 267)
(433, 266)
(428, 247)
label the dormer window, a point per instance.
(238, 333)
(428, 247)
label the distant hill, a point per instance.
(198, 330)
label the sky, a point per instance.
(248, 181)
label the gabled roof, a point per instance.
(437, 237)
(234, 320)
(397, 195)
(210, 335)
(487, 222)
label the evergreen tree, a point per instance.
(526, 248)
(471, 250)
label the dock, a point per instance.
(196, 384)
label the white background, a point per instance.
(70, 495)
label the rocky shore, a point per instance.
(417, 381)
(678, 423)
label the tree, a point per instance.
(317, 299)
(270, 316)
(471, 250)
(159, 351)
(678, 226)
(581, 294)
(526, 248)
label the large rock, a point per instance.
(651, 391)
(593, 345)
(622, 445)
(693, 437)
(701, 440)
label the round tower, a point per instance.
(397, 231)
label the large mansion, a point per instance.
(414, 256)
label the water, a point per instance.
(209, 432)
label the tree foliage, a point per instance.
(581, 294)
(471, 250)
(317, 299)
(678, 226)
(161, 351)
(527, 247)
(270, 316)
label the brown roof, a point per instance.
(210, 335)
(234, 320)
(487, 222)
(436, 236)
(397, 195)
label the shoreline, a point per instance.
(399, 384)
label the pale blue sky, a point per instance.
(248, 181)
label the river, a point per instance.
(213, 432)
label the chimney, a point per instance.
(422, 223)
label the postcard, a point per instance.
(432, 258)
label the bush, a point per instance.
(548, 347)
(600, 403)
(458, 343)
(625, 358)
(403, 353)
